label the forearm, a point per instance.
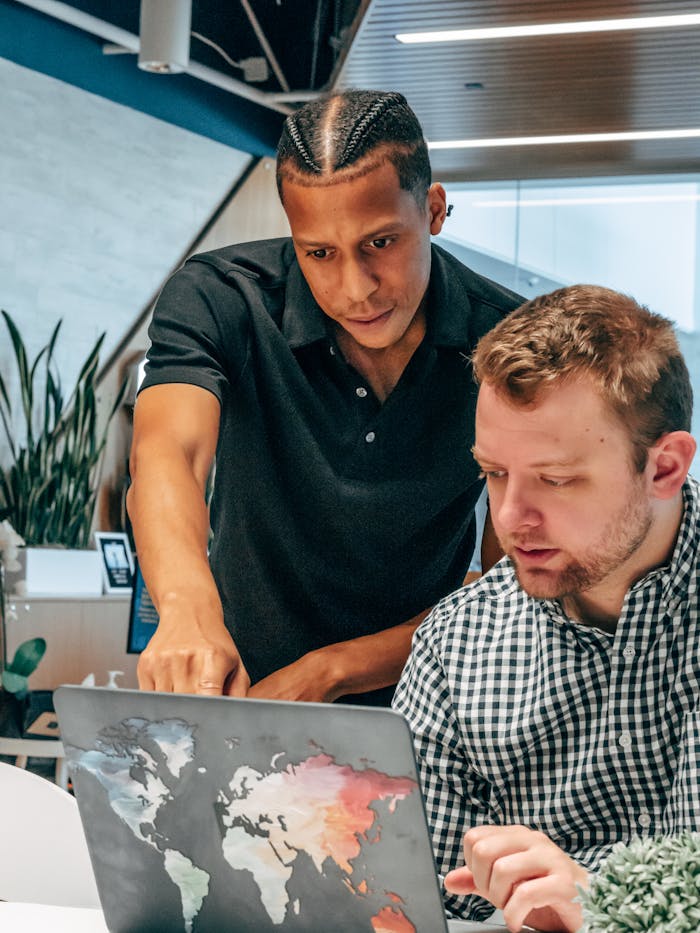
(355, 666)
(171, 525)
(371, 661)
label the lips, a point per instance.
(530, 555)
(367, 322)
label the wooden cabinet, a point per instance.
(83, 635)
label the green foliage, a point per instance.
(48, 490)
(15, 677)
(648, 886)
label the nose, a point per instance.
(359, 281)
(513, 508)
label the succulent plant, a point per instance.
(646, 886)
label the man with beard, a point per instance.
(554, 704)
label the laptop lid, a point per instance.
(212, 813)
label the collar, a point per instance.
(676, 576)
(449, 307)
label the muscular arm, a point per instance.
(355, 666)
(175, 433)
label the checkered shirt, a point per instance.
(522, 716)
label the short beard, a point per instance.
(621, 537)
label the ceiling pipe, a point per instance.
(130, 41)
(267, 49)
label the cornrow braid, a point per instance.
(363, 124)
(297, 139)
(331, 134)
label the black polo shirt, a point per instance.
(333, 515)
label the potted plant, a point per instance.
(49, 486)
(647, 886)
(14, 686)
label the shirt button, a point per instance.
(361, 392)
(332, 351)
(625, 740)
(628, 651)
(644, 820)
(370, 436)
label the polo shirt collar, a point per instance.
(303, 321)
(448, 302)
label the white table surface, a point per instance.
(41, 918)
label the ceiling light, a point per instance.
(552, 29)
(631, 136)
(165, 35)
(602, 199)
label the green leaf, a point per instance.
(14, 683)
(27, 657)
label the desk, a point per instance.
(21, 749)
(40, 917)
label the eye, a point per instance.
(381, 242)
(492, 474)
(318, 253)
(558, 482)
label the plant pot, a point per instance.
(12, 713)
(49, 571)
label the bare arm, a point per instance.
(355, 666)
(175, 433)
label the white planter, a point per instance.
(48, 571)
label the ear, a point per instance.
(669, 462)
(437, 207)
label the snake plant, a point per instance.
(49, 485)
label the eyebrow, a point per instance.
(387, 229)
(561, 463)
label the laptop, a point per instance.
(214, 813)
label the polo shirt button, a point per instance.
(361, 392)
(644, 820)
(625, 740)
(628, 651)
(370, 436)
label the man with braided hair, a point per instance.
(328, 373)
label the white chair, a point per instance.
(43, 854)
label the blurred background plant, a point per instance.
(648, 886)
(15, 676)
(49, 488)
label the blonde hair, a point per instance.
(631, 355)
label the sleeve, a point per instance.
(199, 331)
(455, 796)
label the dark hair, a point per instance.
(631, 355)
(325, 138)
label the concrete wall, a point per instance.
(97, 203)
(254, 213)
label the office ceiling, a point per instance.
(595, 83)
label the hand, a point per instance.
(524, 874)
(307, 679)
(184, 657)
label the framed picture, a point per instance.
(117, 561)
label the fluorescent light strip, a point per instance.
(607, 199)
(631, 136)
(551, 29)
